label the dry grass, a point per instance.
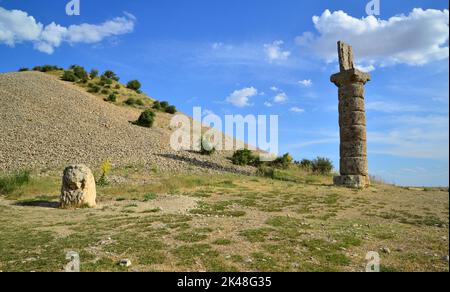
(232, 223)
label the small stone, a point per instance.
(125, 263)
(295, 265)
(386, 250)
(445, 258)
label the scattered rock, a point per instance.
(385, 250)
(445, 258)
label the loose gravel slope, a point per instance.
(47, 123)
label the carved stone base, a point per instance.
(352, 181)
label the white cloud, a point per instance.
(296, 110)
(415, 39)
(17, 27)
(306, 83)
(241, 98)
(274, 88)
(274, 51)
(367, 68)
(268, 104)
(280, 97)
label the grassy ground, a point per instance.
(204, 222)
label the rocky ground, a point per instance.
(225, 222)
(48, 123)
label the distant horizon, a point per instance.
(265, 58)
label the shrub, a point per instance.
(130, 101)
(69, 76)
(245, 157)
(105, 91)
(37, 68)
(94, 89)
(266, 171)
(146, 119)
(111, 75)
(322, 165)
(93, 74)
(140, 102)
(283, 161)
(112, 98)
(80, 72)
(171, 109)
(106, 80)
(134, 85)
(23, 69)
(306, 164)
(10, 183)
(164, 105)
(117, 86)
(105, 168)
(48, 68)
(157, 105)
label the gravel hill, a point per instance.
(47, 124)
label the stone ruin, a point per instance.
(354, 167)
(78, 188)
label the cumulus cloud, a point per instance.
(241, 98)
(274, 52)
(280, 97)
(17, 27)
(297, 110)
(306, 83)
(414, 39)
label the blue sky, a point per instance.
(274, 57)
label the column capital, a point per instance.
(349, 77)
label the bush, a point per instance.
(146, 119)
(111, 75)
(157, 105)
(117, 86)
(245, 157)
(69, 76)
(322, 165)
(105, 168)
(171, 109)
(10, 183)
(105, 80)
(37, 68)
(130, 101)
(112, 98)
(94, 89)
(140, 102)
(23, 69)
(80, 72)
(306, 164)
(283, 161)
(164, 105)
(48, 68)
(93, 74)
(105, 91)
(266, 171)
(134, 85)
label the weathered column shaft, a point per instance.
(354, 168)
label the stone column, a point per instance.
(354, 168)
